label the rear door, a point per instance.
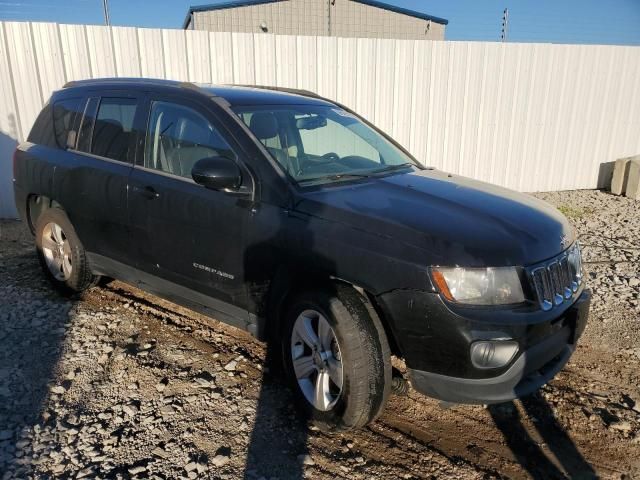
(184, 233)
(92, 182)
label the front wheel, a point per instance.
(337, 358)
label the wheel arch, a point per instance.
(289, 282)
(36, 205)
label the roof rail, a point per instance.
(295, 91)
(151, 81)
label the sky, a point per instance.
(556, 21)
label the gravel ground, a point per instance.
(119, 384)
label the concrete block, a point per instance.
(620, 175)
(633, 181)
(605, 175)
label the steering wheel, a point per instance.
(330, 157)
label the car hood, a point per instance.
(456, 220)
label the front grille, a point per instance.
(556, 280)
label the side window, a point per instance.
(178, 136)
(86, 126)
(271, 142)
(111, 132)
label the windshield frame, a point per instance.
(349, 176)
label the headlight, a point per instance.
(479, 286)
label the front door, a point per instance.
(189, 239)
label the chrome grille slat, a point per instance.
(542, 287)
(556, 280)
(566, 277)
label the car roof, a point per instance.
(235, 95)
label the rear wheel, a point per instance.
(61, 254)
(337, 358)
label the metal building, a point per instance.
(339, 18)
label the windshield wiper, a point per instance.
(352, 175)
(336, 176)
(391, 168)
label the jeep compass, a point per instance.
(290, 216)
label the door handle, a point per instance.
(147, 192)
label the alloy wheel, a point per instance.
(57, 251)
(317, 360)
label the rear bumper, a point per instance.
(20, 197)
(541, 357)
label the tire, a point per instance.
(73, 275)
(362, 350)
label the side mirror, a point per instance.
(217, 173)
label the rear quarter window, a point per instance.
(56, 122)
(42, 130)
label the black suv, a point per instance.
(290, 216)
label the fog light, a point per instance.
(493, 353)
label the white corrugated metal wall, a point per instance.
(527, 116)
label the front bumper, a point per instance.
(441, 366)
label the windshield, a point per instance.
(321, 144)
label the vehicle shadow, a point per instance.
(278, 440)
(278, 445)
(279, 435)
(547, 451)
(32, 333)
